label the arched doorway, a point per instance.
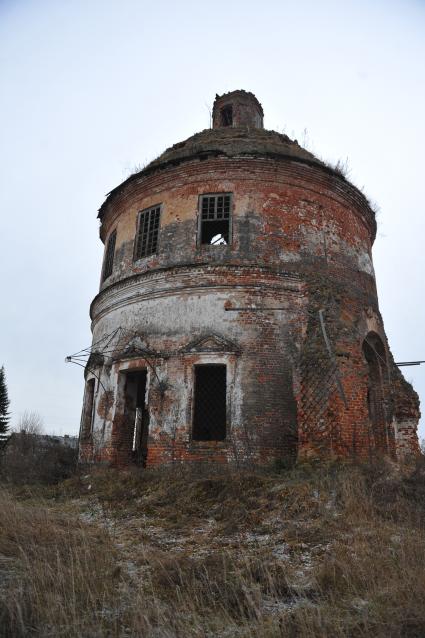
(377, 392)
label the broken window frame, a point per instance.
(108, 264)
(207, 216)
(196, 435)
(146, 241)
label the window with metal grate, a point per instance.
(209, 417)
(108, 265)
(214, 218)
(147, 232)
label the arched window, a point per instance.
(226, 115)
(375, 355)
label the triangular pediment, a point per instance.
(211, 342)
(136, 347)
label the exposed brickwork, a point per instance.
(244, 107)
(300, 250)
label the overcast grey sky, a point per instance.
(92, 88)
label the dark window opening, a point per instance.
(147, 233)
(209, 419)
(109, 256)
(226, 115)
(136, 416)
(215, 219)
(86, 428)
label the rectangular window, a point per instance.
(147, 232)
(109, 256)
(86, 426)
(215, 219)
(209, 418)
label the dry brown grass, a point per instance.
(312, 553)
(56, 569)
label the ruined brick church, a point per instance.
(237, 317)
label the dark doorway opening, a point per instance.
(137, 415)
(209, 419)
(86, 429)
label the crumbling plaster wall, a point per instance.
(256, 353)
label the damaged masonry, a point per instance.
(237, 318)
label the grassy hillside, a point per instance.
(319, 551)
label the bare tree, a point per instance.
(30, 423)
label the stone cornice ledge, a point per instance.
(177, 279)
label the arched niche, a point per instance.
(377, 392)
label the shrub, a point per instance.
(34, 458)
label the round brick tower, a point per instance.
(237, 318)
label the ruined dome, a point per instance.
(237, 131)
(234, 141)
